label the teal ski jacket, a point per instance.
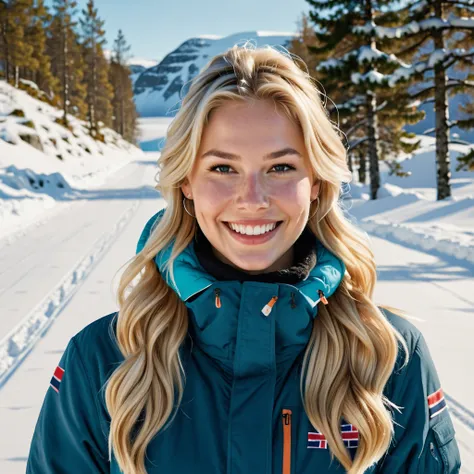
(241, 411)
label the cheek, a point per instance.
(213, 193)
(296, 192)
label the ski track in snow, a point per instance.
(18, 343)
(462, 413)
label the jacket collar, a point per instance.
(304, 260)
(191, 278)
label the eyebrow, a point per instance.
(270, 156)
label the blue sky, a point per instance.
(154, 28)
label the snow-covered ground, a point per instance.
(61, 167)
(407, 211)
(58, 271)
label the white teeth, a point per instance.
(252, 230)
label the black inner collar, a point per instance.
(303, 262)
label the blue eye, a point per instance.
(214, 168)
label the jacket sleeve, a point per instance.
(68, 437)
(424, 440)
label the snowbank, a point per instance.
(406, 210)
(43, 163)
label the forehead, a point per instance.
(249, 125)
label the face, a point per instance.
(246, 174)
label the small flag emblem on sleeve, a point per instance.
(57, 377)
(436, 403)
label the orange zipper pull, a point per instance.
(286, 418)
(268, 307)
(217, 291)
(322, 297)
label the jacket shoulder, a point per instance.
(411, 336)
(97, 344)
(410, 333)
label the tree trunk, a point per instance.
(362, 167)
(65, 76)
(372, 126)
(443, 165)
(372, 140)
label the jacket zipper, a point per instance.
(322, 297)
(217, 292)
(286, 419)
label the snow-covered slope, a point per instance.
(157, 89)
(42, 162)
(406, 210)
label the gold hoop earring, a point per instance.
(315, 210)
(184, 205)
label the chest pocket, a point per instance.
(444, 451)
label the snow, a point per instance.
(406, 210)
(414, 27)
(63, 243)
(33, 180)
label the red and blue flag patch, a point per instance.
(349, 433)
(350, 436)
(436, 403)
(57, 377)
(317, 440)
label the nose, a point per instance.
(252, 193)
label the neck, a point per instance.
(285, 261)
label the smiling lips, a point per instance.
(251, 229)
(240, 234)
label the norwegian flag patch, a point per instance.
(57, 377)
(349, 433)
(436, 403)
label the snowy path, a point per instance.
(107, 224)
(439, 293)
(89, 298)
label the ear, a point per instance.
(315, 190)
(186, 187)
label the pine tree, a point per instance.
(304, 39)
(125, 115)
(99, 89)
(67, 62)
(373, 107)
(15, 51)
(39, 69)
(307, 46)
(424, 24)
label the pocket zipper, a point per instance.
(286, 419)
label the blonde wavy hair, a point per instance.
(353, 347)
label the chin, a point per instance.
(253, 268)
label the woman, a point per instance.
(247, 340)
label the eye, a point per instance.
(284, 164)
(214, 168)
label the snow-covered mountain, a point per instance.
(157, 90)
